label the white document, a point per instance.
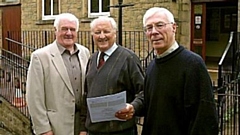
(104, 108)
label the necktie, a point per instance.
(101, 60)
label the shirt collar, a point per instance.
(63, 49)
(111, 50)
(169, 50)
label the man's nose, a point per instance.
(69, 31)
(154, 30)
(101, 35)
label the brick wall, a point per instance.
(13, 120)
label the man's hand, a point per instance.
(125, 113)
(48, 133)
(83, 133)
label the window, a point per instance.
(10, 1)
(98, 8)
(50, 8)
(228, 20)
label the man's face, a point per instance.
(66, 35)
(104, 35)
(160, 32)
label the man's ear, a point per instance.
(174, 27)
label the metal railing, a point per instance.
(13, 72)
(228, 87)
(228, 66)
(14, 67)
(15, 59)
(228, 108)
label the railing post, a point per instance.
(120, 6)
(92, 44)
(233, 76)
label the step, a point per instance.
(214, 75)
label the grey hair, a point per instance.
(104, 18)
(150, 12)
(67, 16)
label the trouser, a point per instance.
(131, 131)
(77, 123)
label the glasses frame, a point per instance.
(158, 26)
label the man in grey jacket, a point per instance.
(120, 71)
(55, 81)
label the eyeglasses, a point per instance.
(157, 26)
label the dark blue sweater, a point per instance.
(178, 96)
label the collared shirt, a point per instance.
(72, 64)
(169, 50)
(108, 52)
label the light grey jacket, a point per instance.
(50, 96)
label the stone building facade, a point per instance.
(31, 15)
(31, 19)
(131, 16)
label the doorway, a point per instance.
(212, 23)
(11, 21)
(221, 19)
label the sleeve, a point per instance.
(83, 114)
(138, 104)
(199, 101)
(35, 96)
(137, 74)
(137, 79)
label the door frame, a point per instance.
(201, 40)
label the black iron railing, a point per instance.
(15, 59)
(228, 88)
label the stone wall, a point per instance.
(131, 16)
(13, 120)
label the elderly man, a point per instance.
(178, 94)
(55, 81)
(117, 70)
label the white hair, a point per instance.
(150, 12)
(104, 18)
(67, 16)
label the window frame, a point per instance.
(100, 13)
(49, 17)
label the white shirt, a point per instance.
(169, 50)
(108, 52)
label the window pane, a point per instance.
(47, 7)
(55, 7)
(94, 6)
(105, 5)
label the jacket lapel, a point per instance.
(60, 66)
